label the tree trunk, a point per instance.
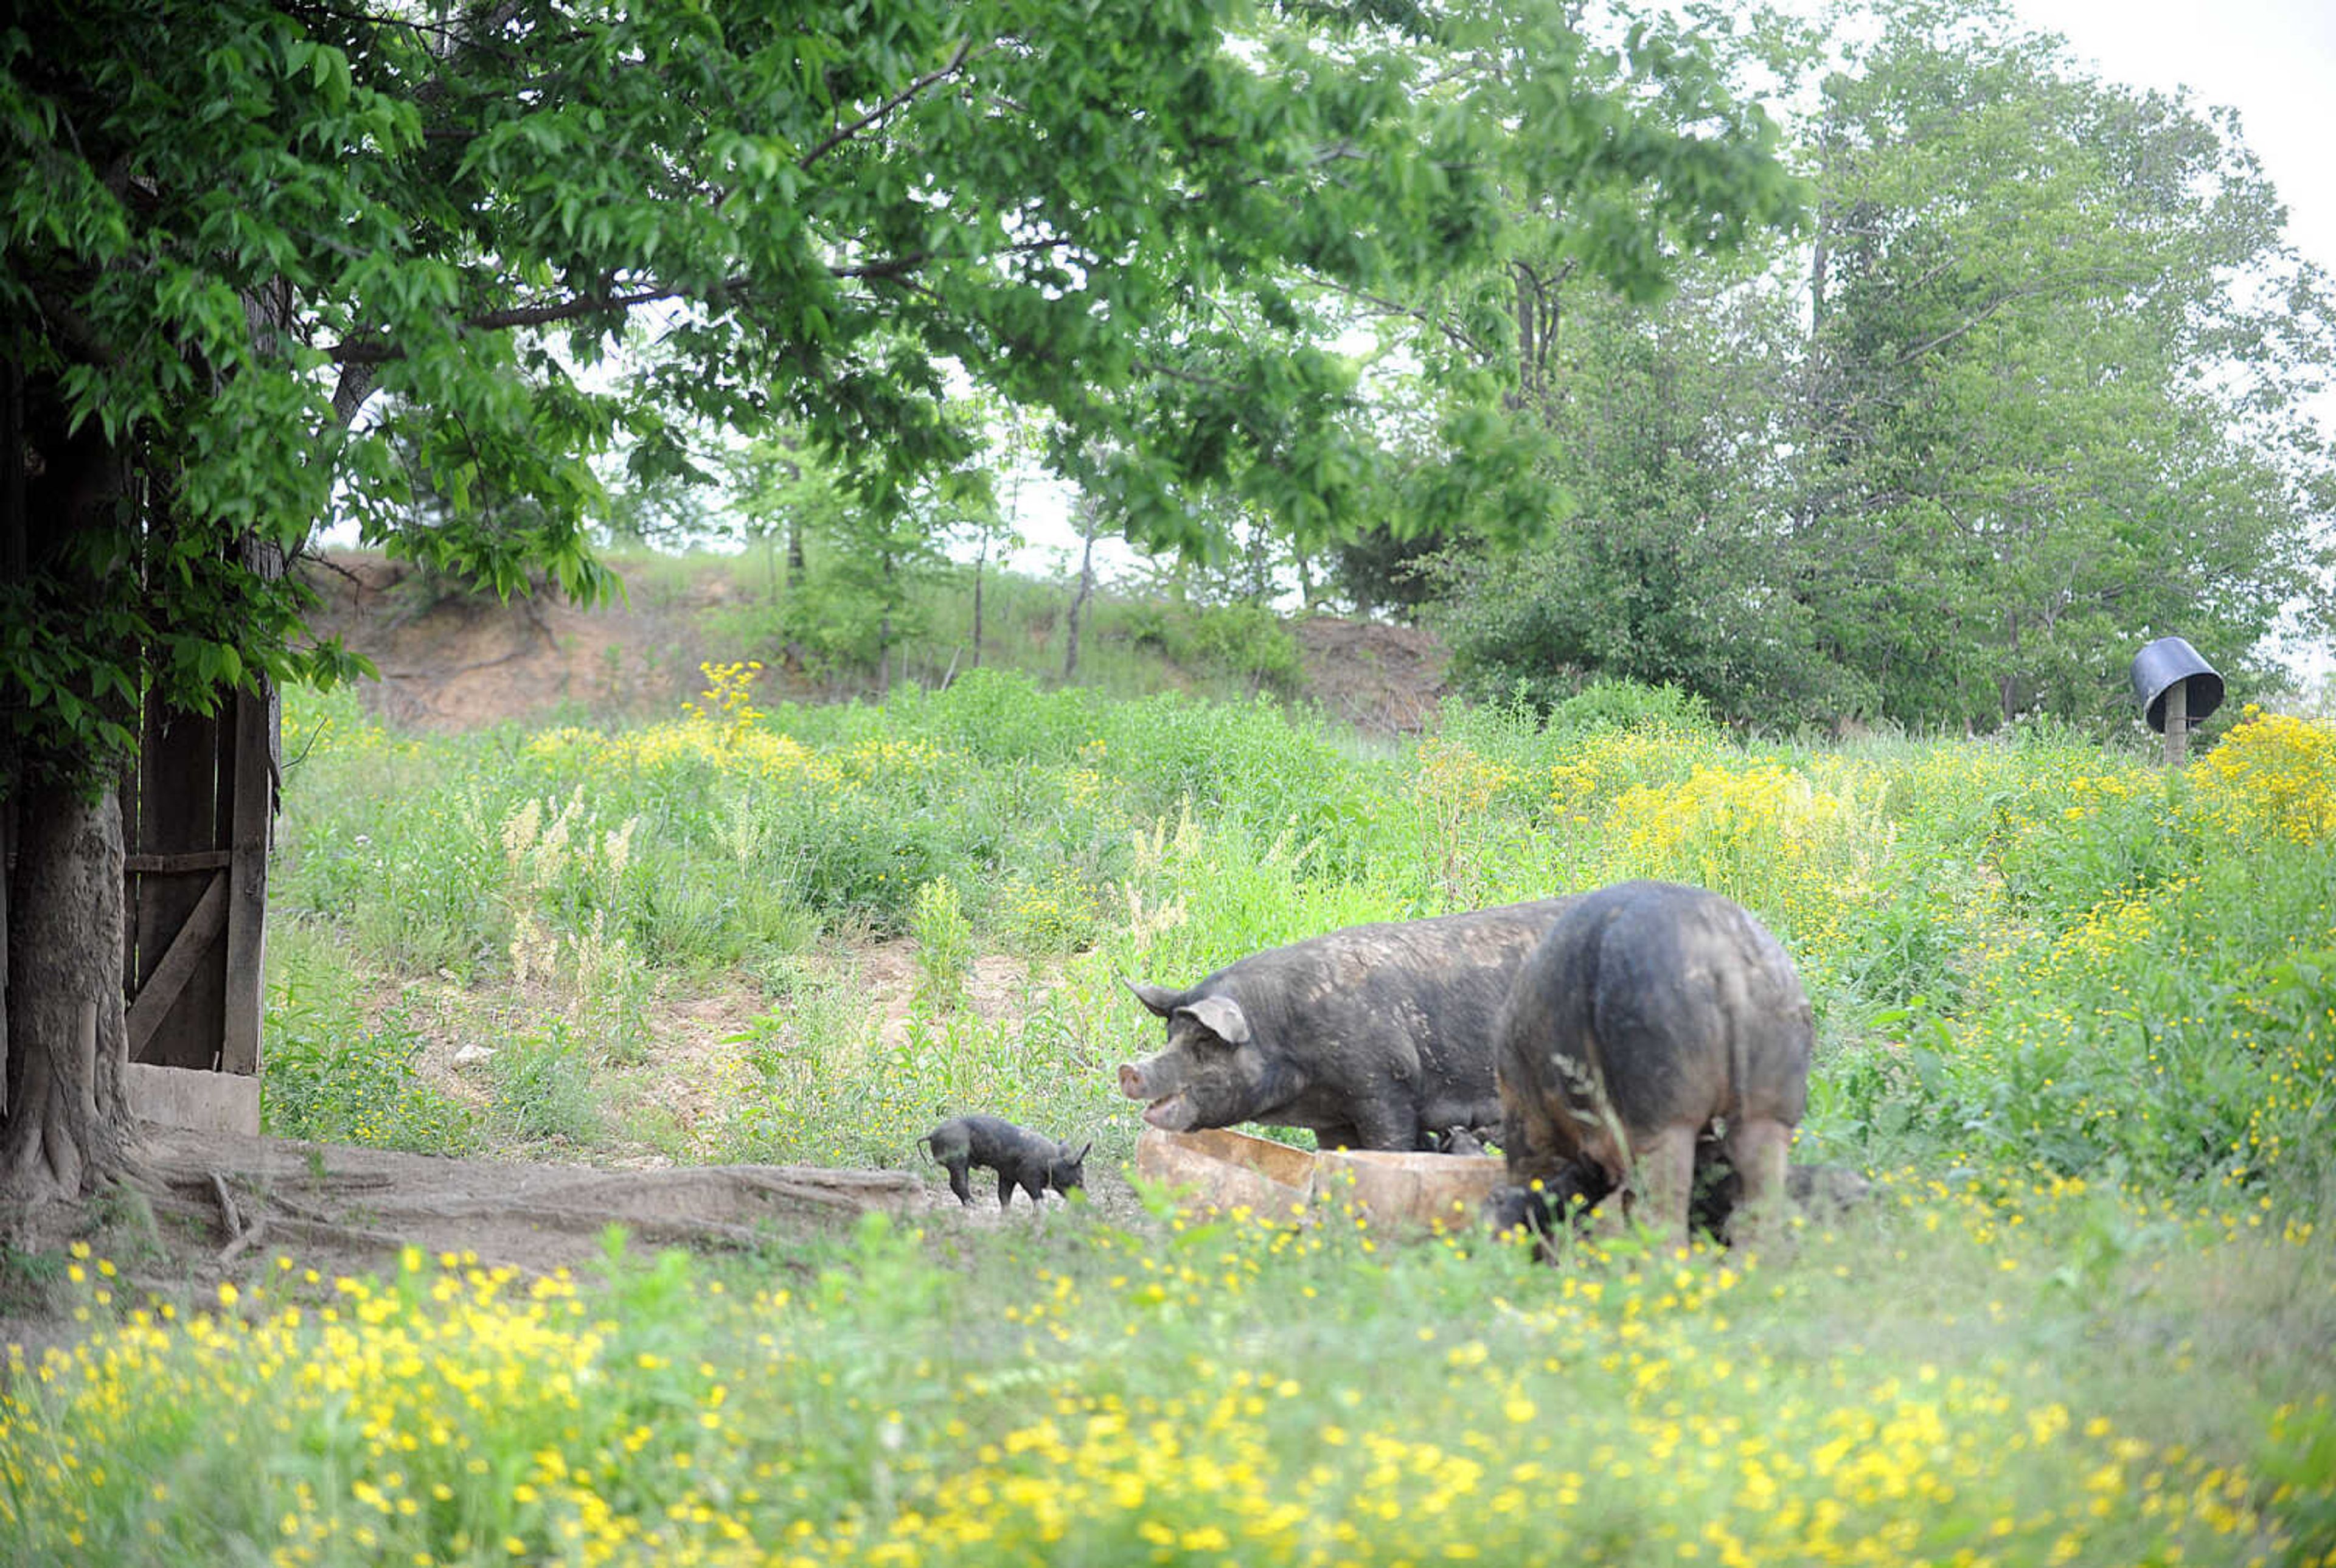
(65, 1127)
(981, 559)
(1086, 586)
(884, 635)
(68, 1128)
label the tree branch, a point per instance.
(372, 350)
(1386, 306)
(2049, 285)
(845, 133)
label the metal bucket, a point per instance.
(2159, 666)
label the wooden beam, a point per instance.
(171, 976)
(178, 864)
(253, 782)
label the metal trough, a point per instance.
(1226, 1170)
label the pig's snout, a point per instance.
(1131, 1083)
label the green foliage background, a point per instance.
(2036, 385)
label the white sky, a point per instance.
(2275, 62)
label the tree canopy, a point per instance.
(261, 262)
(2035, 388)
(268, 257)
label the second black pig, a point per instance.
(1650, 1015)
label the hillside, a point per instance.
(452, 661)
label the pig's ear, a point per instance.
(1159, 999)
(1080, 1157)
(1221, 1017)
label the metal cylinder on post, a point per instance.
(2176, 689)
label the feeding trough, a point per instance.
(2176, 689)
(1225, 1170)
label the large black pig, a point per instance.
(1648, 1013)
(1374, 1037)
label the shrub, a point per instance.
(542, 1087)
(1630, 704)
(944, 943)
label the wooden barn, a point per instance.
(199, 812)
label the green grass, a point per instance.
(2077, 1014)
(337, 1072)
(2036, 950)
(1131, 641)
(2028, 1374)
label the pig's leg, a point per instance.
(1665, 1180)
(1757, 1149)
(958, 1185)
(1004, 1187)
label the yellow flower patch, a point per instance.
(2273, 776)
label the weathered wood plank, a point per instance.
(179, 864)
(251, 780)
(179, 965)
(178, 811)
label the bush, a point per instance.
(1248, 642)
(543, 1088)
(1630, 704)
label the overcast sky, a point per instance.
(2274, 60)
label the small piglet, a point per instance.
(1453, 1141)
(1021, 1157)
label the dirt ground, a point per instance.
(459, 663)
(207, 1208)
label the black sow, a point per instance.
(1649, 1013)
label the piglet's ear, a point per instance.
(1221, 1017)
(1159, 999)
(1080, 1157)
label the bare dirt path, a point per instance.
(210, 1208)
